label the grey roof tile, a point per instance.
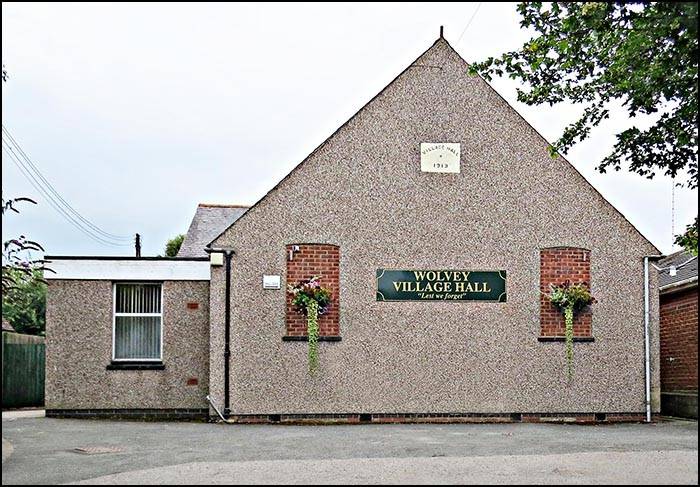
(684, 273)
(208, 222)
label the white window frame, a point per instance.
(114, 321)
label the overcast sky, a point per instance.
(137, 113)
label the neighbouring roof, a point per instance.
(686, 270)
(6, 326)
(208, 222)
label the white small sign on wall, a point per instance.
(439, 157)
(272, 282)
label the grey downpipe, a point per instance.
(647, 352)
(227, 334)
(228, 254)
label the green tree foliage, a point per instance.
(570, 299)
(642, 54)
(24, 304)
(689, 240)
(17, 261)
(173, 245)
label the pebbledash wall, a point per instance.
(358, 204)
(511, 207)
(82, 379)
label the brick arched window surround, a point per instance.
(557, 265)
(304, 261)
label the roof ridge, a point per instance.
(668, 259)
(221, 205)
(677, 252)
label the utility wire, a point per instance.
(469, 23)
(28, 175)
(49, 186)
(10, 153)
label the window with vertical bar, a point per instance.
(138, 320)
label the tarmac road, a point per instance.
(198, 453)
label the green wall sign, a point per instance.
(442, 285)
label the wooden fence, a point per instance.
(23, 366)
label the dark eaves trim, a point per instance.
(131, 257)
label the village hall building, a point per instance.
(438, 220)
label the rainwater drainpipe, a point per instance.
(228, 254)
(647, 346)
(227, 333)
(647, 354)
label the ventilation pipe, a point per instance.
(137, 245)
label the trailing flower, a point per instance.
(570, 299)
(310, 298)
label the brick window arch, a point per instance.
(557, 265)
(303, 262)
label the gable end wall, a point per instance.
(363, 191)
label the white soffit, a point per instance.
(128, 270)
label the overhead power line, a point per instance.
(9, 152)
(469, 22)
(28, 174)
(108, 236)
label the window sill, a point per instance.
(136, 366)
(288, 338)
(562, 339)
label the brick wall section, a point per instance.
(558, 265)
(679, 341)
(322, 260)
